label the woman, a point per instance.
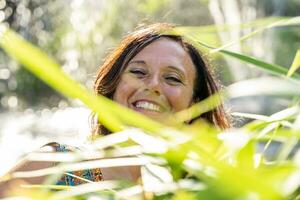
(154, 73)
(150, 63)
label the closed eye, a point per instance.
(173, 79)
(137, 72)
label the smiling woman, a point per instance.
(157, 74)
(154, 73)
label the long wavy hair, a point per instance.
(108, 75)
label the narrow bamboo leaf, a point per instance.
(116, 162)
(295, 65)
(79, 178)
(87, 188)
(184, 195)
(245, 37)
(132, 150)
(245, 157)
(282, 135)
(199, 108)
(50, 72)
(267, 124)
(111, 140)
(64, 157)
(254, 126)
(268, 128)
(110, 114)
(52, 187)
(296, 125)
(282, 22)
(272, 68)
(130, 192)
(287, 148)
(288, 113)
(199, 33)
(263, 86)
(147, 142)
(250, 116)
(229, 27)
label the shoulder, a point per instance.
(24, 165)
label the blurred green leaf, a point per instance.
(198, 30)
(110, 114)
(282, 22)
(295, 65)
(50, 72)
(92, 164)
(271, 68)
(245, 157)
(44, 186)
(103, 186)
(199, 108)
(209, 34)
(250, 116)
(180, 195)
(263, 86)
(223, 160)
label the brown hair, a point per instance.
(115, 63)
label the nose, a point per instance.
(153, 84)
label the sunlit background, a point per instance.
(79, 33)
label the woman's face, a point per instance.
(159, 80)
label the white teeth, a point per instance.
(147, 106)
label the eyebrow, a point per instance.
(137, 61)
(177, 69)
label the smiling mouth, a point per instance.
(147, 106)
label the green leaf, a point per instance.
(270, 86)
(208, 34)
(44, 186)
(250, 116)
(50, 72)
(295, 65)
(245, 157)
(199, 108)
(184, 195)
(282, 22)
(92, 164)
(272, 68)
(229, 27)
(103, 186)
(110, 114)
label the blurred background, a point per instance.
(79, 33)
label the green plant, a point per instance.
(202, 161)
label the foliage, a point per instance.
(196, 161)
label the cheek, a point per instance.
(179, 98)
(124, 90)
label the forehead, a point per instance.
(166, 52)
(164, 47)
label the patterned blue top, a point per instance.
(76, 177)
